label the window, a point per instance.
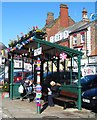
(79, 49)
(59, 37)
(66, 34)
(62, 35)
(75, 40)
(46, 38)
(51, 39)
(82, 38)
(19, 64)
(56, 38)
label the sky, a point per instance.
(20, 17)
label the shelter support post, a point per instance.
(11, 77)
(64, 65)
(52, 66)
(32, 65)
(79, 84)
(22, 68)
(38, 86)
(42, 71)
(47, 67)
(71, 72)
(58, 65)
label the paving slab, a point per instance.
(23, 109)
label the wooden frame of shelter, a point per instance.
(35, 41)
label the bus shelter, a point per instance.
(33, 45)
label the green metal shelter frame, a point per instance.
(47, 48)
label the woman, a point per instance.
(53, 91)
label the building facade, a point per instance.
(81, 36)
(53, 26)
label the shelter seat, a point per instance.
(67, 97)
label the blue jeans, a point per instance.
(29, 89)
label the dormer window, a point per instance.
(52, 39)
(59, 37)
(66, 34)
(62, 35)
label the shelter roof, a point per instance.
(31, 42)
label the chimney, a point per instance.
(64, 20)
(84, 15)
(50, 17)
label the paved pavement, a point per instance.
(22, 109)
(2, 115)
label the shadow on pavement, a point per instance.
(45, 105)
(91, 109)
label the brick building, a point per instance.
(80, 36)
(94, 38)
(53, 26)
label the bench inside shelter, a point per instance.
(68, 95)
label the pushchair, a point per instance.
(28, 91)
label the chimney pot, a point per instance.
(84, 15)
(63, 6)
(50, 17)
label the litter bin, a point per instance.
(14, 94)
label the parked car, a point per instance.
(87, 82)
(63, 77)
(89, 98)
(18, 75)
(31, 77)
